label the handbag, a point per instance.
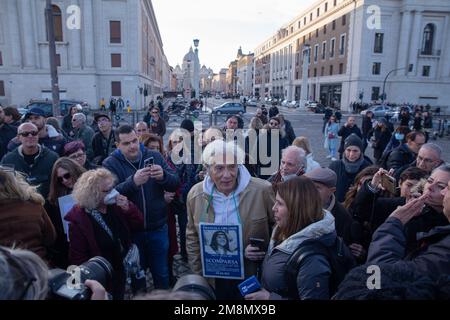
(330, 135)
(134, 274)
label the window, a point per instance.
(318, 11)
(341, 68)
(317, 33)
(325, 29)
(376, 68)
(426, 71)
(316, 52)
(331, 70)
(304, 21)
(116, 60)
(292, 29)
(309, 36)
(115, 32)
(58, 60)
(310, 16)
(324, 48)
(315, 72)
(116, 89)
(427, 41)
(375, 93)
(326, 6)
(299, 24)
(333, 43)
(333, 25)
(344, 19)
(1, 59)
(322, 71)
(378, 46)
(2, 88)
(304, 39)
(335, 2)
(57, 24)
(342, 45)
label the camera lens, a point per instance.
(97, 268)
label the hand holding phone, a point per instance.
(258, 243)
(149, 162)
(389, 183)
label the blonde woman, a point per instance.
(303, 142)
(23, 219)
(101, 224)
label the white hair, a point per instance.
(301, 154)
(433, 147)
(79, 116)
(220, 147)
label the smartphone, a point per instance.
(149, 162)
(257, 242)
(389, 183)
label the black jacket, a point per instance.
(381, 140)
(343, 222)
(290, 134)
(7, 133)
(344, 132)
(39, 173)
(102, 146)
(366, 126)
(400, 157)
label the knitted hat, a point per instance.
(353, 140)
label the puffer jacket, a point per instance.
(149, 197)
(313, 276)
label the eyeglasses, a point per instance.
(66, 176)
(154, 112)
(27, 133)
(76, 155)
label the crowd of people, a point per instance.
(136, 198)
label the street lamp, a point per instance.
(196, 70)
(383, 95)
(304, 87)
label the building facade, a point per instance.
(352, 46)
(108, 49)
(244, 73)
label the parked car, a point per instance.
(378, 110)
(46, 106)
(229, 108)
(394, 113)
(252, 103)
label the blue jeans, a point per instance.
(153, 251)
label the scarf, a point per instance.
(352, 167)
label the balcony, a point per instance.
(429, 53)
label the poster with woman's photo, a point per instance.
(221, 251)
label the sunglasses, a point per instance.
(26, 134)
(66, 176)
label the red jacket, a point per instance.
(82, 242)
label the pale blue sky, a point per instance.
(221, 26)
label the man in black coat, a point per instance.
(7, 133)
(366, 126)
(347, 129)
(406, 153)
(104, 141)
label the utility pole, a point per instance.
(52, 54)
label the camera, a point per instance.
(196, 284)
(70, 286)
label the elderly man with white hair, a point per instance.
(229, 196)
(83, 132)
(293, 164)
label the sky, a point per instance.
(222, 26)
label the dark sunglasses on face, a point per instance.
(26, 134)
(66, 176)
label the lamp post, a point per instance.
(52, 55)
(304, 87)
(383, 95)
(196, 70)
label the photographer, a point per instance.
(25, 277)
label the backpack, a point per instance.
(338, 256)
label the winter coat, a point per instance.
(149, 197)
(389, 246)
(380, 140)
(86, 134)
(343, 220)
(344, 132)
(26, 225)
(83, 244)
(102, 147)
(367, 126)
(400, 157)
(314, 273)
(344, 178)
(255, 204)
(290, 134)
(37, 174)
(7, 133)
(158, 127)
(331, 130)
